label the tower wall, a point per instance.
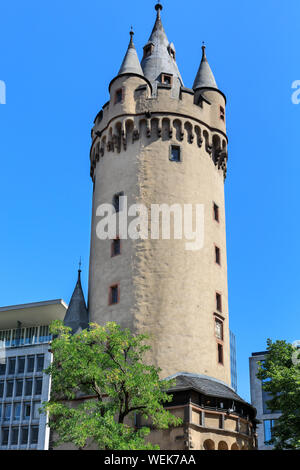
(165, 290)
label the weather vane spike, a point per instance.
(80, 263)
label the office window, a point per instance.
(4, 436)
(21, 364)
(218, 255)
(26, 411)
(7, 412)
(30, 363)
(17, 411)
(40, 363)
(268, 430)
(38, 386)
(1, 390)
(175, 154)
(9, 388)
(114, 295)
(216, 213)
(34, 434)
(220, 354)
(19, 388)
(117, 201)
(24, 435)
(2, 368)
(219, 302)
(28, 387)
(116, 247)
(14, 436)
(11, 365)
(36, 408)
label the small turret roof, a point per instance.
(204, 77)
(77, 315)
(161, 60)
(131, 63)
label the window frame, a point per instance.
(113, 254)
(216, 212)
(110, 296)
(177, 147)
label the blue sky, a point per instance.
(57, 59)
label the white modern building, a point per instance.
(24, 354)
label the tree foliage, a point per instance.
(280, 373)
(105, 365)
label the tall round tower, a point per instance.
(157, 142)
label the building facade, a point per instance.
(159, 143)
(259, 400)
(24, 354)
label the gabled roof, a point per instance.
(161, 59)
(204, 77)
(131, 63)
(77, 316)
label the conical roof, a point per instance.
(77, 316)
(131, 63)
(204, 77)
(162, 56)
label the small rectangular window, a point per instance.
(2, 367)
(17, 412)
(28, 387)
(175, 154)
(166, 79)
(24, 435)
(116, 247)
(220, 353)
(40, 363)
(34, 434)
(219, 329)
(7, 412)
(119, 96)
(222, 113)
(14, 436)
(218, 255)
(38, 386)
(19, 388)
(118, 201)
(11, 365)
(4, 436)
(9, 388)
(30, 363)
(219, 302)
(114, 295)
(26, 411)
(1, 390)
(21, 364)
(216, 213)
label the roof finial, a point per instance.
(79, 267)
(158, 8)
(203, 50)
(131, 37)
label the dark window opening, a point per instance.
(222, 113)
(219, 302)
(148, 50)
(119, 96)
(175, 154)
(216, 213)
(220, 354)
(166, 79)
(116, 247)
(117, 202)
(114, 295)
(218, 255)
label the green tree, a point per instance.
(105, 365)
(280, 373)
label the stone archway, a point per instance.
(222, 445)
(208, 445)
(235, 446)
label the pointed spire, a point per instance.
(159, 56)
(204, 77)
(131, 63)
(77, 316)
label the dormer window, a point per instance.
(148, 50)
(166, 79)
(171, 50)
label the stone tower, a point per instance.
(157, 142)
